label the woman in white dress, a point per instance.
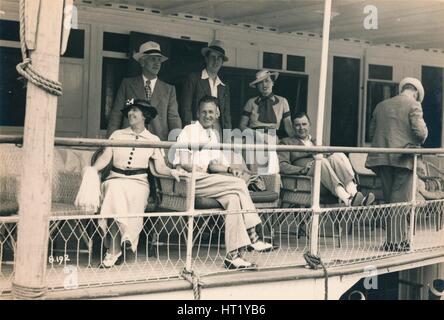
(125, 191)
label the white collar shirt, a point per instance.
(195, 133)
(213, 84)
(308, 142)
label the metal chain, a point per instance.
(195, 281)
(25, 68)
(315, 262)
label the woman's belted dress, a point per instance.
(125, 191)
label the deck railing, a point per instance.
(193, 240)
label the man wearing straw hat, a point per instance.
(397, 123)
(207, 83)
(148, 87)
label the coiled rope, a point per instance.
(315, 262)
(29, 293)
(195, 281)
(25, 68)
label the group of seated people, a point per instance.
(126, 189)
(125, 192)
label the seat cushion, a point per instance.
(8, 207)
(257, 197)
(207, 203)
(264, 196)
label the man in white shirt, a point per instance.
(216, 179)
(337, 173)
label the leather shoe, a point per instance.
(357, 199)
(260, 246)
(238, 263)
(368, 199)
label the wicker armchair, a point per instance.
(174, 195)
(366, 178)
(297, 191)
(66, 181)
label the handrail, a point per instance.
(191, 213)
(86, 142)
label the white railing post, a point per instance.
(191, 211)
(319, 128)
(413, 202)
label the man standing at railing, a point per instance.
(147, 86)
(216, 179)
(397, 123)
(207, 82)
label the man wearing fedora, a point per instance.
(148, 87)
(397, 123)
(207, 83)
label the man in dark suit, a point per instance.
(337, 174)
(397, 123)
(207, 83)
(148, 87)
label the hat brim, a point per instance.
(152, 112)
(206, 49)
(416, 83)
(275, 75)
(139, 55)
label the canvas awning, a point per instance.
(417, 24)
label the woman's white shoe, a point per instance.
(110, 260)
(260, 246)
(238, 263)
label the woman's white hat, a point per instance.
(149, 48)
(262, 75)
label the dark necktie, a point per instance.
(266, 111)
(148, 92)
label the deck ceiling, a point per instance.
(416, 23)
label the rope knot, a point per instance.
(195, 281)
(25, 68)
(315, 262)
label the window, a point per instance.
(113, 71)
(76, 44)
(272, 60)
(377, 92)
(9, 30)
(295, 63)
(380, 72)
(116, 42)
(12, 87)
(12, 91)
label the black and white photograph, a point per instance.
(239, 151)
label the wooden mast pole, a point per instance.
(35, 190)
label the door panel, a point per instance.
(432, 104)
(345, 102)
